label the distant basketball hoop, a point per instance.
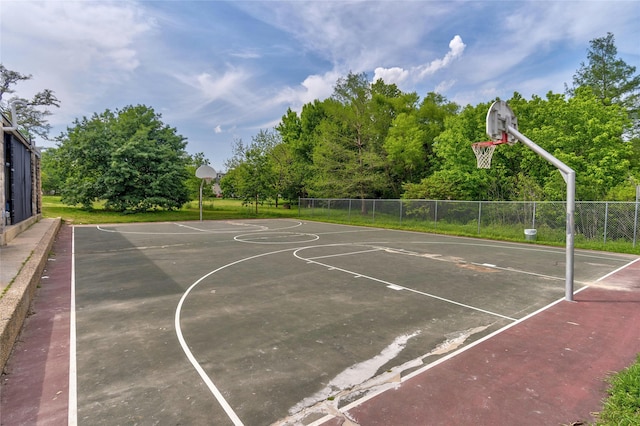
(207, 174)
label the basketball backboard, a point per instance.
(499, 118)
(205, 172)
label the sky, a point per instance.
(220, 71)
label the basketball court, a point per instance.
(286, 322)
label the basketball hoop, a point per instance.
(484, 153)
(207, 174)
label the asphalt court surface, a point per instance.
(262, 322)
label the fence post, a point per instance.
(349, 210)
(436, 216)
(374, 211)
(400, 201)
(479, 215)
(606, 219)
(635, 217)
(533, 220)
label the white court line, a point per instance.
(433, 364)
(617, 270)
(194, 362)
(447, 357)
(496, 244)
(72, 411)
(346, 254)
(259, 228)
(264, 236)
(395, 286)
(351, 232)
(520, 271)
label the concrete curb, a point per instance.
(14, 305)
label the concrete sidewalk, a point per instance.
(21, 264)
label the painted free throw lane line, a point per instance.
(394, 285)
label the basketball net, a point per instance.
(484, 153)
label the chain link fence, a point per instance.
(604, 221)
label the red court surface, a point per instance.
(550, 368)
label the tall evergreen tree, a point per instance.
(612, 80)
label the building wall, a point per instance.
(9, 229)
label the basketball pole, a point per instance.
(569, 176)
(201, 184)
(204, 172)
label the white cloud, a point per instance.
(313, 87)
(77, 35)
(444, 86)
(229, 86)
(355, 36)
(395, 75)
(80, 50)
(456, 48)
(318, 86)
(247, 55)
(398, 75)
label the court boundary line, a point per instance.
(617, 270)
(72, 409)
(371, 395)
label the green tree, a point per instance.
(299, 135)
(31, 113)
(286, 179)
(249, 175)
(431, 115)
(52, 173)
(84, 155)
(386, 105)
(129, 158)
(404, 145)
(346, 161)
(193, 183)
(611, 78)
(456, 175)
(583, 133)
(411, 138)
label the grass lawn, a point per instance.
(212, 209)
(622, 407)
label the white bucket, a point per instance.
(530, 234)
